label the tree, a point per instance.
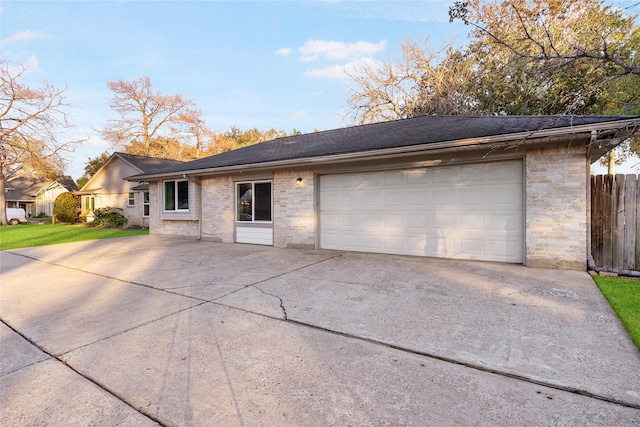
(92, 166)
(149, 120)
(554, 57)
(33, 122)
(424, 81)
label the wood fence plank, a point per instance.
(607, 238)
(618, 221)
(596, 218)
(637, 226)
(629, 249)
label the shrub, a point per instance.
(64, 208)
(108, 218)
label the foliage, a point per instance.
(65, 208)
(423, 82)
(28, 235)
(534, 57)
(32, 123)
(624, 297)
(108, 218)
(148, 118)
(554, 57)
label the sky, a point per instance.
(249, 64)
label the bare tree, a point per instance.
(149, 119)
(424, 81)
(33, 122)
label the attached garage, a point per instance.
(472, 211)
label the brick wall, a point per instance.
(556, 207)
(294, 210)
(169, 228)
(218, 209)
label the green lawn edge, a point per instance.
(29, 235)
(624, 297)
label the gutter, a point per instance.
(407, 150)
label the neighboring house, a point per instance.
(47, 194)
(36, 195)
(108, 188)
(507, 188)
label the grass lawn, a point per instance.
(624, 297)
(26, 235)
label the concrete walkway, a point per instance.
(150, 330)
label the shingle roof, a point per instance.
(393, 134)
(148, 164)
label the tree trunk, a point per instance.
(611, 162)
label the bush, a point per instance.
(64, 208)
(108, 218)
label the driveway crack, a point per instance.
(284, 310)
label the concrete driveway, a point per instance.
(150, 330)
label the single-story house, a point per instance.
(497, 188)
(34, 194)
(108, 187)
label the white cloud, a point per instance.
(25, 35)
(285, 51)
(336, 51)
(339, 71)
(298, 114)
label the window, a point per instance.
(132, 199)
(176, 195)
(253, 201)
(89, 203)
(145, 203)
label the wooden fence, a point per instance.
(615, 225)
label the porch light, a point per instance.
(299, 181)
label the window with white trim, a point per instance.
(132, 199)
(254, 201)
(145, 203)
(176, 196)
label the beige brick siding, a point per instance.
(218, 209)
(169, 228)
(294, 222)
(556, 206)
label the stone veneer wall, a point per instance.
(218, 203)
(294, 223)
(556, 207)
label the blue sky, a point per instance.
(264, 64)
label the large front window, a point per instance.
(176, 195)
(89, 203)
(253, 201)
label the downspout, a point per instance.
(594, 137)
(200, 209)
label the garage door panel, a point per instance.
(470, 212)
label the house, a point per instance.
(34, 194)
(49, 191)
(505, 188)
(108, 188)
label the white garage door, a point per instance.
(467, 212)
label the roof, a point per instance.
(147, 164)
(424, 131)
(25, 188)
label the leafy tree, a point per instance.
(92, 166)
(149, 119)
(33, 122)
(555, 57)
(65, 208)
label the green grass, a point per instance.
(624, 297)
(26, 235)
